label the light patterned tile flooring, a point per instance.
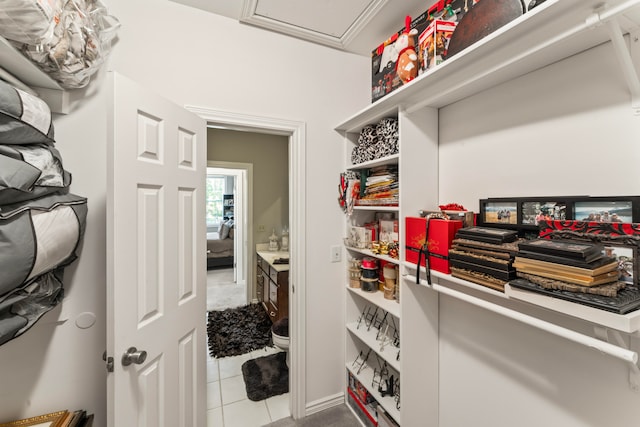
(227, 402)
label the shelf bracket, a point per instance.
(628, 59)
(609, 335)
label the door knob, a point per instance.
(133, 356)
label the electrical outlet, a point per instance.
(261, 228)
(335, 254)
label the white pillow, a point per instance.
(224, 230)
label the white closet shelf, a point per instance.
(377, 208)
(388, 402)
(552, 31)
(22, 69)
(388, 160)
(628, 323)
(377, 298)
(368, 252)
(621, 353)
(368, 337)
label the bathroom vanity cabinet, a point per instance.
(272, 284)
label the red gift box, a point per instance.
(441, 235)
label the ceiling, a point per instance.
(357, 26)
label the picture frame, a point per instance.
(499, 212)
(607, 209)
(525, 213)
(621, 240)
(534, 211)
(54, 419)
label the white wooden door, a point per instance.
(156, 248)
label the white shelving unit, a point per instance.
(363, 338)
(555, 30)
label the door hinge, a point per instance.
(108, 360)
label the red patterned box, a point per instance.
(441, 234)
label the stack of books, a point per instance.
(567, 265)
(379, 186)
(484, 256)
(574, 271)
(55, 419)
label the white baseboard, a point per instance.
(324, 403)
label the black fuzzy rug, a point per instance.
(266, 376)
(238, 330)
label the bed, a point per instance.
(219, 251)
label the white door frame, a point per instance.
(296, 131)
(243, 173)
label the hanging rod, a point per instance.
(602, 346)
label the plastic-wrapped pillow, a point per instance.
(24, 118)
(26, 21)
(39, 236)
(77, 44)
(30, 171)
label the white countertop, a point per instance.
(270, 256)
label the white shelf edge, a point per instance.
(628, 323)
(377, 208)
(18, 66)
(552, 31)
(388, 160)
(368, 252)
(389, 353)
(377, 298)
(450, 278)
(387, 402)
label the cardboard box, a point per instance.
(359, 237)
(433, 42)
(384, 79)
(388, 230)
(441, 235)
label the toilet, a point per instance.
(280, 335)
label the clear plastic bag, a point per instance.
(26, 21)
(77, 44)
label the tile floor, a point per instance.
(227, 402)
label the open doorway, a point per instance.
(295, 131)
(229, 201)
(266, 158)
(228, 205)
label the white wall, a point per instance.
(195, 58)
(56, 365)
(565, 130)
(269, 155)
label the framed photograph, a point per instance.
(620, 240)
(607, 209)
(535, 211)
(54, 419)
(499, 212)
(627, 262)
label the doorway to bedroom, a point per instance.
(227, 207)
(259, 164)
